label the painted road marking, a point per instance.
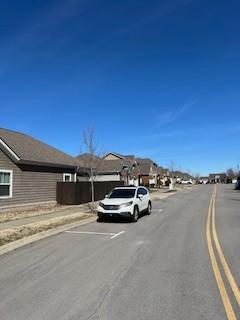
(117, 234)
(219, 280)
(112, 235)
(224, 263)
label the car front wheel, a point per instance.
(135, 214)
(149, 209)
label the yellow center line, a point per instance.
(219, 280)
(224, 263)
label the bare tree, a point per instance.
(230, 173)
(172, 168)
(89, 141)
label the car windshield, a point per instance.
(122, 193)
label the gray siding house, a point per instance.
(30, 170)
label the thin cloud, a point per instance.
(216, 130)
(171, 116)
(161, 10)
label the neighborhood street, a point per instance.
(157, 268)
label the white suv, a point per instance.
(125, 201)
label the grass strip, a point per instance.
(16, 233)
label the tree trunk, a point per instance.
(92, 189)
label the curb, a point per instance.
(42, 235)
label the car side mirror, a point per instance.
(140, 196)
(106, 196)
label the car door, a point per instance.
(140, 200)
(143, 200)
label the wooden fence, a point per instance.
(74, 193)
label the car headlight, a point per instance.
(126, 204)
(101, 204)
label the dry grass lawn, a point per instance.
(21, 213)
(9, 235)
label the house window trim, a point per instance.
(10, 184)
(67, 175)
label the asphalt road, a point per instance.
(157, 268)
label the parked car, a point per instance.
(127, 202)
(186, 182)
(237, 185)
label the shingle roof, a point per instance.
(107, 166)
(118, 155)
(87, 160)
(33, 151)
(145, 165)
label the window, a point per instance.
(5, 184)
(67, 177)
(122, 193)
(142, 191)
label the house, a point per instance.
(30, 170)
(84, 163)
(217, 178)
(136, 171)
(117, 167)
(148, 172)
(111, 167)
(162, 176)
(118, 170)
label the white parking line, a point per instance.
(91, 232)
(117, 234)
(112, 235)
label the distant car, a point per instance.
(186, 182)
(127, 202)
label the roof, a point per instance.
(130, 157)
(145, 165)
(87, 159)
(25, 149)
(113, 166)
(117, 155)
(162, 171)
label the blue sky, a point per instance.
(157, 79)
